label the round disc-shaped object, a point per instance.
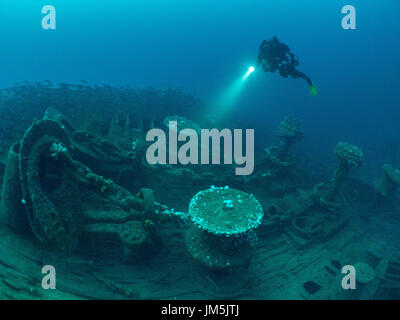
(290, 128)
(225, 211)
(349, 153)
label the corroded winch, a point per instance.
(64, 203)
(222, 235)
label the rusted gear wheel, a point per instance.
(51, 200)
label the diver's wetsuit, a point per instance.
(275, 55)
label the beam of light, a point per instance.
(225, 102)
(249, 72)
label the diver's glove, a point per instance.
(313, 90)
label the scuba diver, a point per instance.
(275, 55)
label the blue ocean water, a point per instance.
(203, 46)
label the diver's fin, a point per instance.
(313, 90)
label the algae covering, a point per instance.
(225, 211)
(223, 234)
(80, 196)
